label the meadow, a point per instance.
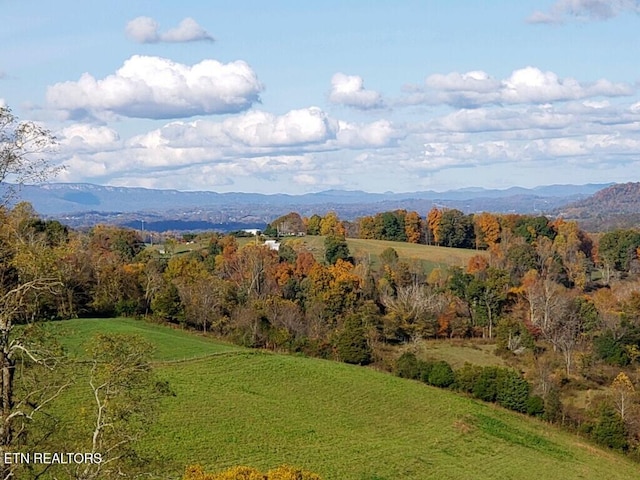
(235, 406)
(427, 256)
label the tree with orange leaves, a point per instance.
(413, 227)
(487, 230)
(433, 223)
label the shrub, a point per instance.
(351, 344)
(610, 429)
(512, 390)
(553, 406)
(407, 366)
(424, 370)
(441, 375)
(486, 385)
(535, 406)
(466, 377)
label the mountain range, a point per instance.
(82, 204)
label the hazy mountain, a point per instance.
(81, 204)
(56, 198)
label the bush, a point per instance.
(553, 406)
(466, 377)
(424, 370)
(441, 375)
(512, 390)
(610, 429)
(407, 366)
(351, 344)
(535, 406)
(486, 385)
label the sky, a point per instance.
(296, 97)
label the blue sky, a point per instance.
(296, 97)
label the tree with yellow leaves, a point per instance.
(487, 229)
(624, 394)
(331, 225)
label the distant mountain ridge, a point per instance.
(618, 199)
(59, 198)
(83, 205)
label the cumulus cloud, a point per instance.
(584, 10)
(258, 132)
(525, 85)
(255, 143)
(147, 30)
(297, 127)
(349, 90)
(377, 134)
(88, 138)
(154, 87)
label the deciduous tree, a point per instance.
(23, 150)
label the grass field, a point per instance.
(170, 344)
(458, 352)
(428, 256)
(236, 406)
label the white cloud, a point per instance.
(349, 90)
(143, 30)
(377, 134)
(494, 120)
(253, 144)
(154, 87)
(146, 30)
(297, 127)
(584, 10)
(525, 85)
(85, 137)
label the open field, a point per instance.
(429, 256)
(458, 352)
(170, 344)
(236, 406)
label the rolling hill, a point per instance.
(236, 406)
(617, 206)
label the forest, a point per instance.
(562, 308)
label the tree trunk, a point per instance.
(6, 398)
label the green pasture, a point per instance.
(234, 406)
(170, 344)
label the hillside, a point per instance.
(236, 406)
(617, 206)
